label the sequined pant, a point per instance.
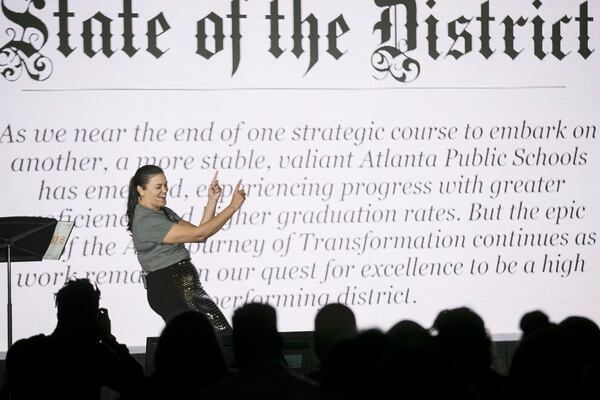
(176, 289)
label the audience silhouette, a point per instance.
(188, 358)
(333, 323)
(407, 335)
(451, 360)
(3, 388)
(586, 336)
(532, 322)
(79, 357)
(545, 366)
(419, 363)
(466, 347)
(262, 370)
(362, 367)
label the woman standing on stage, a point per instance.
(172, 282)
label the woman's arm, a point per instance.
(187, 232)
(214, 193)
(209, 211)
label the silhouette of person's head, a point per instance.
(462, 335)
(333, 323)
(545, 366)
(255, 336)
(188, 350)
(77, 305)
(409, 335)
(420, 370)
(361, 367)
(533, 321)
(585, 334)
(78, 358)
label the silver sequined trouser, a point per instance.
(177, 289)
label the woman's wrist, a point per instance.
(231, 208)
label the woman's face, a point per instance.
(154, 194)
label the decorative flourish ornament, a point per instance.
(389, 60)
(22, 51)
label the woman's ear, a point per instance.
(140, 190)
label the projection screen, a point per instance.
(400, 156)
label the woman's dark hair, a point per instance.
(141, 177)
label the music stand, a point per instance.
(25, 239)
